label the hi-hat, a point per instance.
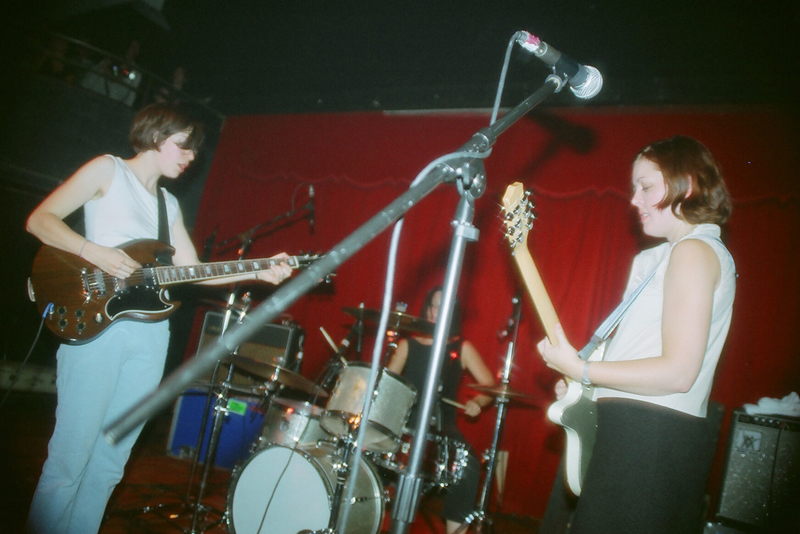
(276, 373)
(398, 321)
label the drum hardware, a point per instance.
(390, 407)
(444, 462)
(398, 321)
(328, 376)
(503, 394)
(501, 391)
(276, 375)
(291, 423)
(264, 491)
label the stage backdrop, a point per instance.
(577, 162)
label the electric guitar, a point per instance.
(78, 300)
(576, 411)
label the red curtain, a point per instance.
(577, 162)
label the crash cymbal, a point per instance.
(276, 373)
(398, 321)
(500, 390)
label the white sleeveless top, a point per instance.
(127, 211)
(638, 335)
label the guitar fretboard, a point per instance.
(207, 271)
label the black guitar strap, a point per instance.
(163, 228)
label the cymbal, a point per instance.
(500, 390)
(276, 373)
(398, 321)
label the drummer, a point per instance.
(410, 359)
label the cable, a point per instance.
(17, 375)
(503, 72)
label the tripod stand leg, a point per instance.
(220, 409)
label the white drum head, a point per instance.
(279, 491)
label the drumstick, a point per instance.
(454, 403)
(331, 343)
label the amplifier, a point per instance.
(761, 480)
(274, 344)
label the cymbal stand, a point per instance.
(328, 376)
(480, 516)
(220, 411)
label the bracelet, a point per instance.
(586, 381)
(80, 252)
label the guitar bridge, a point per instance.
(93, 282)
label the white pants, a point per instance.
(96, 383)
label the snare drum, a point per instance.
(291, 423)
(391, 405)
(281, 490)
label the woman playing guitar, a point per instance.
(648, 469)
(99, 380)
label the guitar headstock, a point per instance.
(519, 216)
(304, 260)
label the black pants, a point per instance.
(648, 474)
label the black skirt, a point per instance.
(648, 471)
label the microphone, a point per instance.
(311, 209)
(584, 81)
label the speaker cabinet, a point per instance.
(761, 481)
(274, 344)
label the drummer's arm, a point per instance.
(477, 368)
(398, 360)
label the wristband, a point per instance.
(586, 381)
(80, 252)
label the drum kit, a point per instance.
(294, 478)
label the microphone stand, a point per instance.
(246, 237)
(290, 292)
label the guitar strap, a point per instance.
(604, 331)
(163, 229)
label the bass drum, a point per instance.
(281, 490)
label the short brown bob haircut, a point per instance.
(156, 122)
(696, 191)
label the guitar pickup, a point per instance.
(149, 278)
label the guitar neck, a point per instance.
(541, 300)
(170, 275)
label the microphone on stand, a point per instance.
(584, 81)
(311, 213)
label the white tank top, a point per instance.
(127, 211)
(638, 335)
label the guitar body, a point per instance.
(87, 300)
(576, 412)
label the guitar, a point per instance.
(86, 300)
(575, 412)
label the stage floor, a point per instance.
(155, 485)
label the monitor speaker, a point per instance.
(761, 480)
